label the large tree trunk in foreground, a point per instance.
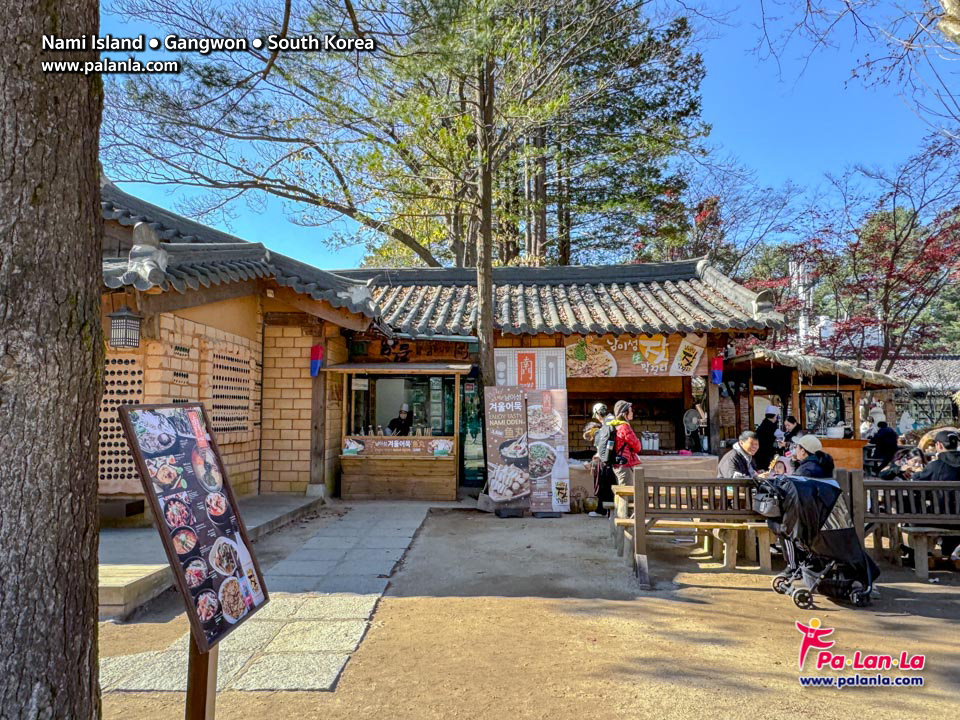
(50, 358)
(485, 99)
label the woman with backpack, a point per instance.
(627, 447)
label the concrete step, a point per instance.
(123, 587)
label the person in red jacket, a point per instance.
(627, 447)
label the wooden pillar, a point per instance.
(318, 425)
(858, 497)
(750, 403)
(457, 460)
(856, 414)
(795, 396)
(201, 683)
(639, 548)
(713, 407)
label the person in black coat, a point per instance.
(767, 436)
(738, 462)
(793, 429)
(885, 440)
(812, 461)
(946, 467)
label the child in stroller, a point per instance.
(822, 550)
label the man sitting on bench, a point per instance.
(738, 463)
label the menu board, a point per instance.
(506, 437)
(397, 445)
(547, 450)
(196, 514)
(636, 356)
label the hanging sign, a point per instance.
(636, 356)
(527, 369)
(196, 514)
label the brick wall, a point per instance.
(182, 365)
(287, 391)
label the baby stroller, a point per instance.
(820, 544)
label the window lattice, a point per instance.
(231, 390)
(122, 385)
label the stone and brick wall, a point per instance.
(287, 392)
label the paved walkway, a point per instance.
(322, 597)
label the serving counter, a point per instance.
(401, 429)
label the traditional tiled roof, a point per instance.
(929, 373)
(195, 256)
(687, 296)
(810, 366)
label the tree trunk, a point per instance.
(485, 100)
(563, 210)
(51, 353)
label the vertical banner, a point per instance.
(547, 450)
(527, 369)
(507, 447)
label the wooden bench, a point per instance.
(896, 507)
(718, 508)
(920, 540)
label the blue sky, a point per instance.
(793, 123)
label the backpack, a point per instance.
(605, 443)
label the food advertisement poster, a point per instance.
(393, 445)
(547, 450)
(196, 514)
(636, 356)
(506, 436)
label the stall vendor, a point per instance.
(400, 425)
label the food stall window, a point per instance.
(428, 399)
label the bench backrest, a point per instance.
(911, 501)
(704, 497)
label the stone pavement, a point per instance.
(322, 597)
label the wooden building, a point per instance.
(230, 324)
(618, 332)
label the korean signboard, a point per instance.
(636, 356)
(196, 514)
(390, 445)
(506, 437)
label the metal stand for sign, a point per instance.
(201, 683)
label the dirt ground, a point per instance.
(490, 618)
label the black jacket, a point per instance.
(945, 467)
(818, 465)
(886, 443)
(736, 464)
(767, 435)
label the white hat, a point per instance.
(810, 443)
(772, 410)
(404, 408)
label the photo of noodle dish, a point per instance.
(195, 572)
(542, 458)
(217, 506)
(224, 557)
(207, 606)
(184, 541)
(154, 432)
(589, 360)
(206, 469)
(542, 423)
(231, 600)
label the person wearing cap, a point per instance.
(946, 466)
(767, 436)
(600, 415)
(627, 446)
(400, 425)
(812, 461)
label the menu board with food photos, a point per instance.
(197, 516)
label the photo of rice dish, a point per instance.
(542, 458)
(184, 541)
(207, 606)
(589, 360)
(231, 600)
(177, 513)
(154, 432)
(224, 557)
(206, 469)
(543, 423)
(216, 505)
(195, 572)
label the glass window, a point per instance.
(402, 405)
